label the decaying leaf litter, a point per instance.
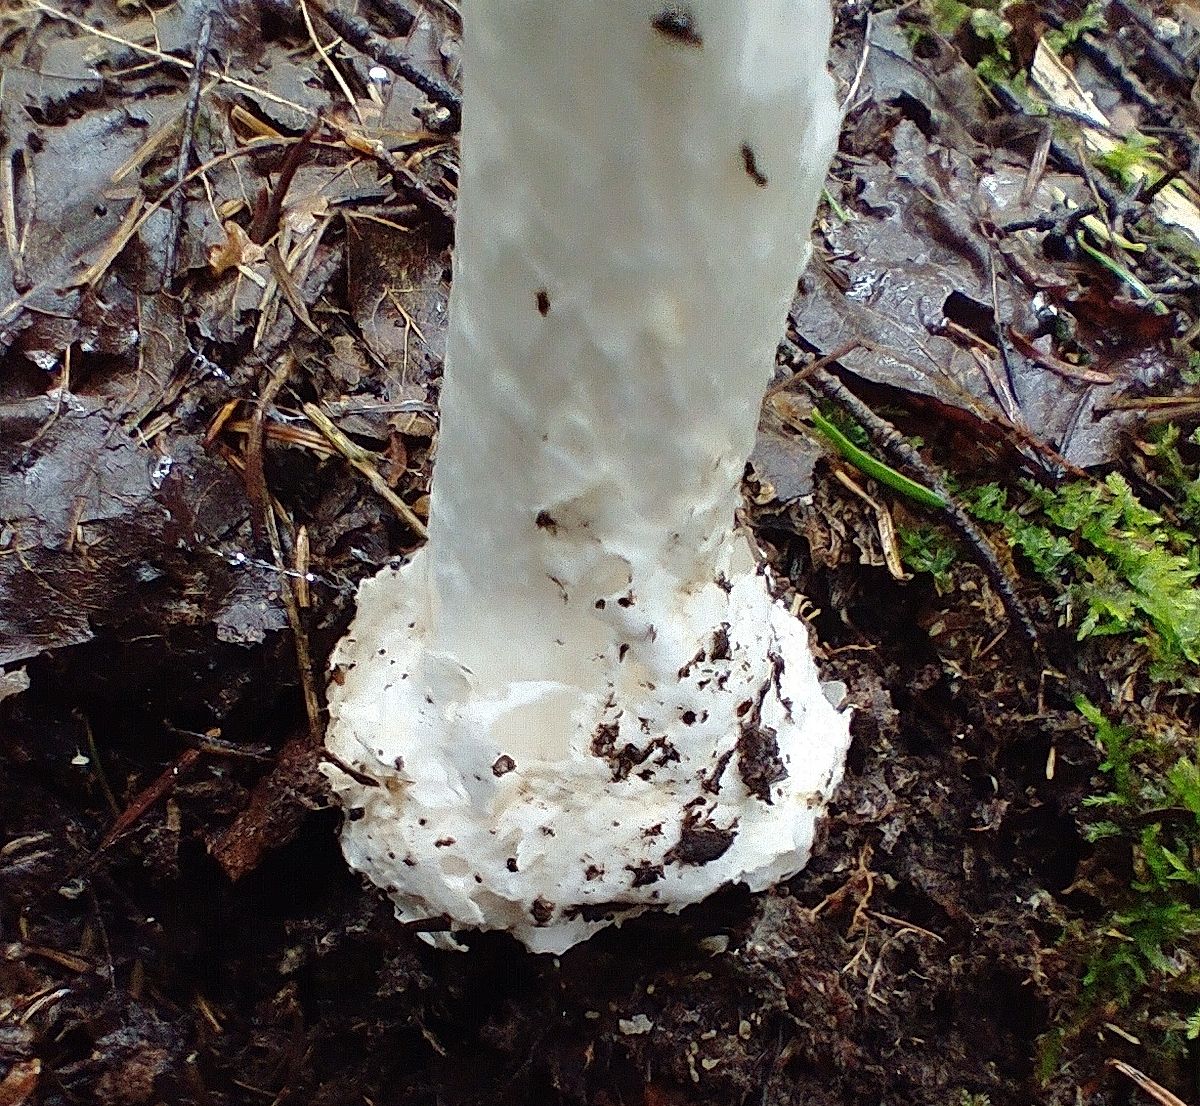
(223, 285)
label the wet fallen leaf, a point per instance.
(235, 250)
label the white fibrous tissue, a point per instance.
(580, 700)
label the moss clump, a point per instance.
(1118, 567)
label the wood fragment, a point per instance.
(8, 216)
(1156, 1091)
(147, 797)
(279, 803)
(20, 1083)
(361, 460)
(1081, 373)
(904, 457)
(1177, 206)
(199, 57)
(883, 521)
(256, 480)
(218, 422)
(303, 593)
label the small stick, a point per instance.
(8, 216)
(903, 456)
(356, 32)
(1155, 1090)
(219, 746)
(288, 287)
(185, 144)
(405, 177)
(256, 477)
(360, 459)
(803, 373)
(323, 54)
(269, 203)
(148, 796)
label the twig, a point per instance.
(1118, 205)
(261, 502)
(888, 440)
(8, 216)
(1010, 390)
(1065, 222)
(852, 92)
(98, 766)
(131, 223)
(359, 34)
(362, 38)
(323, 54)
(804, 371)
(169, 59)
(268, 205)
(405, 177)
(1156, 1091)
(902, 924)
(185, 144)
(219, 746)
(360, 459)
(148, 796)
(254, 475)
(287, 286)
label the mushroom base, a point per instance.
(684, 762)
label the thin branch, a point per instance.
(185, 144)
(169, 59)
(889, 442)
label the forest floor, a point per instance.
(1006, 904)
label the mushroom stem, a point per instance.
(580, 696)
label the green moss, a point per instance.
(1115, 566)
(1152, 807)
(929, 549)
(1134, 158)
(948, 16)
(1091, 19)
(1118, 568)
(986, 24)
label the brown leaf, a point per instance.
(20, 1083)
(237, 249)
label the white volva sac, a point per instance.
(579, 700)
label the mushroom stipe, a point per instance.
(581, 700)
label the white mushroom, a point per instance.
(580, 700)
